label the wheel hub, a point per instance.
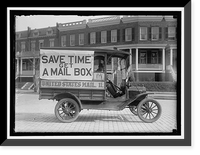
(66, 110)
(149, 110)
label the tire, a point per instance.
(149, 110)
(133, 109)
(67, 110)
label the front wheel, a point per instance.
(67, 110)
(149, 110)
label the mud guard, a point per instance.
(68, 95)
(138, 98)
(133, 101)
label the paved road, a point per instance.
(33, 115)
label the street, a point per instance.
(34, 115)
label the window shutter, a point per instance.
(26, 46)
(166, 33)
(97, 37)
(18, 46)
(149, 33)
(67, 38)
(118, 35)
(123, 35)
(88, 38)
(108, 36)
(160, 33)
(133, 34)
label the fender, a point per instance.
(133, 101)
(68, 95)
(138, 98)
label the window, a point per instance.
(154, 33)
(99, 64)
(27, 64)
(113, 36)
(36, 33)
(171, 33)
(49, 32)
(154, 57)
(128, 34)
(51, 41)
(81, 39)
(63, 41)
(103, 36)
(18, 35)
(92, 38)
(41, 43)
(72, 40)
(32, 46)
(150, 56)
(23, 46)
(143, 58)
(143, 33)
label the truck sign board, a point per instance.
(72, 84)
(66, 64)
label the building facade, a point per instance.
(27, 46)
(151, 41)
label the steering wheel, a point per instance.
(109, 81)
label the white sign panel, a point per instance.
(66, 64)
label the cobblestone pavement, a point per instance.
(33, 115)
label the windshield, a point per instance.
(123, 68)
(126, 70)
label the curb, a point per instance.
(21, 91)
(164, 97)
(154, 92)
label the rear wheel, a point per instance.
(149, 110)
(67, 110)
(133, 109)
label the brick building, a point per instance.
(151, 40)
(27, 48)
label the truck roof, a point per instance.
(109, 52)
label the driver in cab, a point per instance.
(100, 67)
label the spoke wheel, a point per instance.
(67, 110)
(149, 110)
(133, 109)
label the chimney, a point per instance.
(29, 29)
